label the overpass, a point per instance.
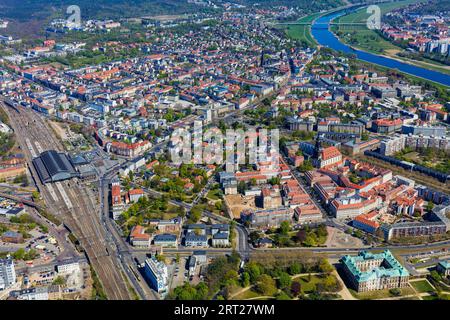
(18, 199)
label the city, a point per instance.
(225, 151)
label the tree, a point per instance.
(329, 282)
(245, 279)
(306, 166)
(195, 214)
(395, 292)
(266, 285)
(284, 280)
(285, 227)
(296, 288)
(254, 235)
(253, 270)
(59, 281)
(325, 266)
(301, 235)
(294, 268)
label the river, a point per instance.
(321, 32)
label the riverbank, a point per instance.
(362, 38)
(326, 38)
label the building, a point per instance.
(165, 240)
(68, 266)
(52, 166)
(366, 222)
(193, 240)
(267, 218)
(12, 237)
(38, 293)
(7, 273)
(424, 130)
(138, 237)
(392, 145)
(368, 271)
(12, 172)
(386, 126)
(329, 157)
(157, 275)
(136, 194)
(117, 204)
(349, 207)
(443, 267)
(220, 239)
(413, 229)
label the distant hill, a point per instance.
(25, 10)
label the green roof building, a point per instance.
(374, 271)
(443, 267)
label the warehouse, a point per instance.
(52, 166)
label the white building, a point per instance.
(68, 267)
(157, 274)
(7, 273)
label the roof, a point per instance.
(165, 237)
(389, 266)
(445, 264)
(193, 237)
(53, 166)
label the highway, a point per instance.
(69, 201)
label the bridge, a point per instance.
(18, 199)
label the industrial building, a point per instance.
(52, 166)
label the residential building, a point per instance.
(165, 240)
(7, 273)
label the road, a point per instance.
(70, 201)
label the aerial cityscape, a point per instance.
(225, 150)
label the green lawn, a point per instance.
(214, 194)
(422, 286)
(380, 294)
(302, 32)
(247, 295)
(309, 286)
(360, 36)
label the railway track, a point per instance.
(69, 201)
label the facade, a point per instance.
(157, 275)
(411, 229)
(12, 237)
(7, 273)
(38, 293)
(368, 271)
(443, 267)
(350, 207)
(392, 145)
(424, 130)
(267, 218)
(117, 204)
(68, 267)
(194, 240)
(138, 237)
(165, 240)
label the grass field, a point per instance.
(303, 32)
(380, 294)
(361, 37)
(422, 286)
